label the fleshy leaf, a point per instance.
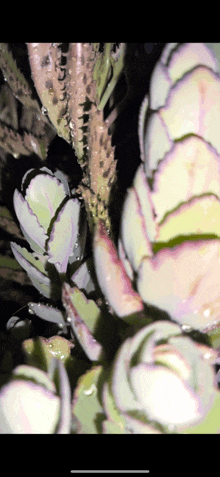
(116, 421)
(134, 235)
(113, 279)
(29, 222)
(191, 168)
(48, 313)
(86, 404)
(157, 143)
(196, 92)
(20, 404)
(187, 56)
(201, 215)
(142, 126)
(83, 278)
(124, 398)
(179, 404)
(210, 423)
(40, 352)
(183, 281)
(84, 315)
(22, 252)
(25, 371)
(44, 195)
(64, 424)
(34, 269)
(64, 234)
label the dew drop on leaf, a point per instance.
(44, 110)
(90, 391)
(30, 310)
(186, 328)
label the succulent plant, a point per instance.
(50, 221)
(169, 236)
(133, 324)
(161, 381)
(31, 404)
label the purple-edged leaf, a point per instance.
(113, 279)
(63, 236)
(34, 269)
(47, 313)
(61, 177)
(134, 235)
(178, 404)
(201, 215)
(194, 102)
(142, 126)
(184, 281)
(82, 278)
(20, 402)
(64, 424)
(44, 195)
(189, 55)
(124, 259)
(191, 168)
(80, 244)
(29, 222)
(157, 143)
(84, 315)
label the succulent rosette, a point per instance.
(170, 228)
(162, 381)
(51, 221)
(31, 404)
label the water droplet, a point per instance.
(60, 325)
(186, 328)
(206, 312)
(30, 310)
(91, 390)
(69, 319)
(44, 110)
